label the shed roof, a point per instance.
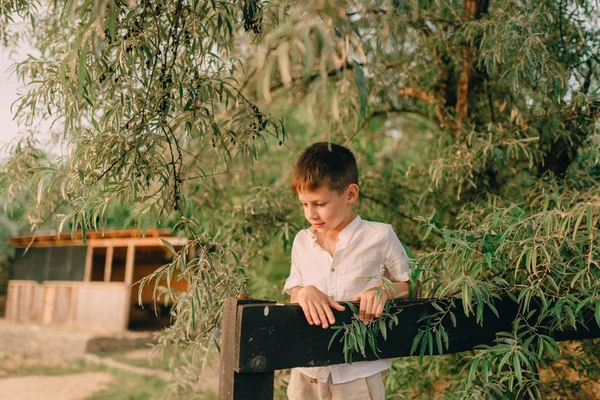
(52, 239)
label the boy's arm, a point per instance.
(371, 307)
(315, 304)
(294, 294)
(402, 289)
(396, 263)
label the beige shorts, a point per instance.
(302, 387)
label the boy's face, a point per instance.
(328, 210)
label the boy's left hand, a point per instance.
(369, 307)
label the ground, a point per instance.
(64, 387)
(119, 375)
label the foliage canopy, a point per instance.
(475, 123)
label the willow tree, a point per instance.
(475, 124)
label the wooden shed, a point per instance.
(60, 281)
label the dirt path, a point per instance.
(34, 378)
(63, 387)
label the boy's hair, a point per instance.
(322, 164)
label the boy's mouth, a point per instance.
(319, 225)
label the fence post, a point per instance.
(232, 384)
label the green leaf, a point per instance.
(84, 233)
(453, 318)
(473, 369)
(430, 341)
(577, 223)
(352, 307)
(422, 347)
(382, 328)
(409, 252)
(493, 308)
(169, 245)
(517, 369)
(338, 330)
(307, 55)
(445, 336)
(437, 306)
(416, 342)
(193, 314)
(81, 67)
(372, 346)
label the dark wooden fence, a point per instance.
(260, 337)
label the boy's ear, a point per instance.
(352, 193)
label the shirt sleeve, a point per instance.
(397, 262)
(295, 278)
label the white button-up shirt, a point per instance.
(364, 249)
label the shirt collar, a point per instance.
(344, 233)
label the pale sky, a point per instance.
(8, 94)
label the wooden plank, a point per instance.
(138, 242)
(30, 293)
(11, 301)
(73, 304)
(48, 307)
(100, 242)
(108, 263)
(228, 349)
(37, 306)
(276, 337)
(233, 385)
(89, 256)
(61, 305)
(22, 302)
(81, 283)
(129, 262)
(107, 313)
(47, 243)
(67, 240)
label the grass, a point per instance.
(130, 386)
(161, 363)
(22, 366)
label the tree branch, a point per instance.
(473, 10)
(421, 95)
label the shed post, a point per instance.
(108, 263)
(129, 264)
(232, 384)
(89, 255)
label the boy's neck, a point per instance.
(334, 233)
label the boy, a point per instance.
(330, 263)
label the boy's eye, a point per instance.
(320, 205)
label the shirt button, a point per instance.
(332, 269)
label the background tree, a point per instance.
(475, 124)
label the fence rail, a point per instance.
(261, 336)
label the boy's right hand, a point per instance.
(317, 306)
